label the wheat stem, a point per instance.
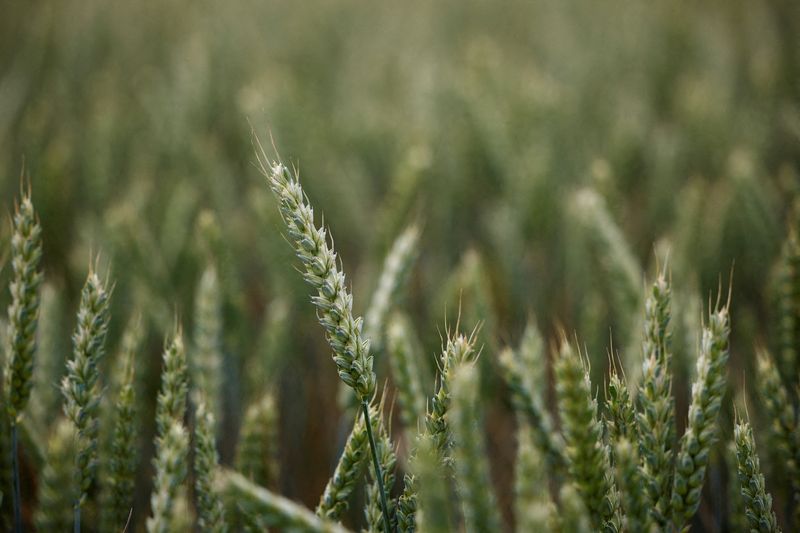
(377, 466)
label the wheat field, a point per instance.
(454, 266)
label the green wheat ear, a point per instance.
(587, 454)
(757, 501)
(533, 508)
(57, 490)
(210, 511)
(701, 430)
(473, 482)
(257, 451)
(172, 440)
(404, 354)
(431, 499)
(80, 385)
(635, 503)
(348, 472)
(783, 424)
(170, 468)
(23, 312)
(206, 361)
(321, 270)
(123, 452)
(656, 413)
(530, 406)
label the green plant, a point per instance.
(80, 385)
(210, 511)
(757, 501)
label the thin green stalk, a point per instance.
(377, 466)
(15, 480)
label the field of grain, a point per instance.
(454, 266)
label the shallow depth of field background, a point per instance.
(492, 125)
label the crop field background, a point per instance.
(546, 162)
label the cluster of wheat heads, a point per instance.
(611, 465)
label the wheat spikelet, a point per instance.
(621, 421)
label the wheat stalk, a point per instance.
(266, 509)
(388, 460)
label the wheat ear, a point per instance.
(257, 451)
(701, 430)
(757, 501)
(210, 511)
(80, 387)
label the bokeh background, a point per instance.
(553, 154)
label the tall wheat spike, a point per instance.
(701, 430)
(587, 454)
(210, 511)
(123, 451)
(656, 407)
(757, 501)
(172, 439)
(257, 450)
(80, 385)
(474, 485)
(348, 472)
(23, 316)
(333, 301)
